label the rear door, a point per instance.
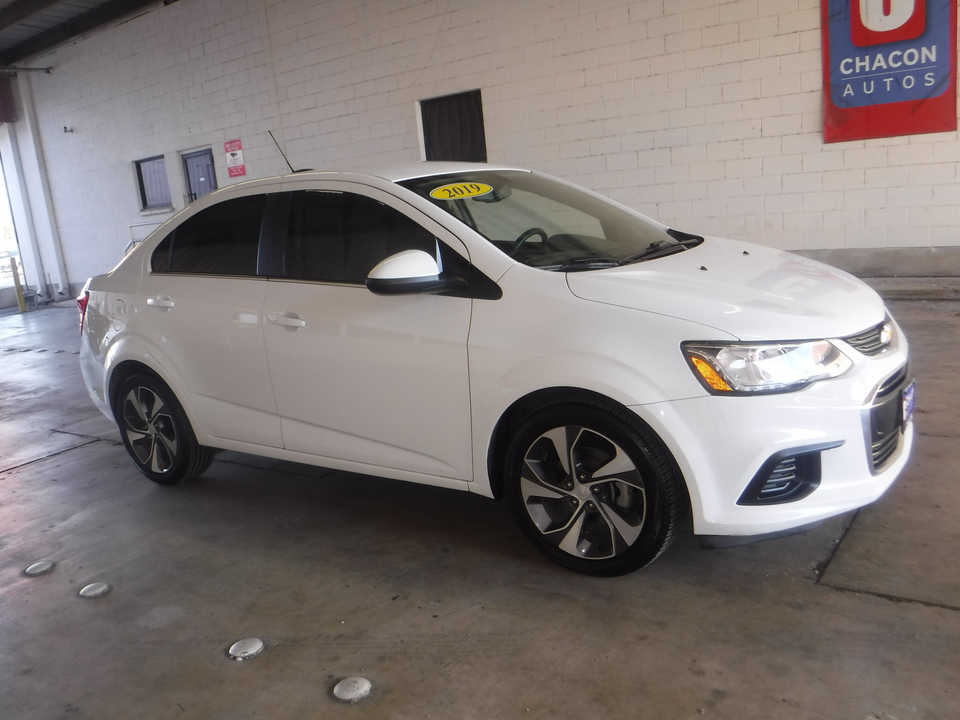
(203, 301)
(380, 381)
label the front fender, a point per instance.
(517, 349)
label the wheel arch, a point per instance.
(186, 458)
(120, 373)
(522, 408)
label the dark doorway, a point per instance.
(453, 127)
(198, 169)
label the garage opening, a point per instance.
(9, 249)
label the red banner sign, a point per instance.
(889, 68)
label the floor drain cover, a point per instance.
(39, 568)
(352, 689)
(95, 590)
(246, 648)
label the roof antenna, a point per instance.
(281, 151)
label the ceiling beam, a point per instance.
(72, 28)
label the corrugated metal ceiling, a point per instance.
(29, 27)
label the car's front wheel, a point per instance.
(156, 432)
(593, 488)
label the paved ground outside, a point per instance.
(435, 596)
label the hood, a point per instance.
(749, 291)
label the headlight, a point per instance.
(764, 368)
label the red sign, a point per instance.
(889, 68)
(234, 152)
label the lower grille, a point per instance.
(886, 419)
(882, 450)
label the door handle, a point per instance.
(289, 320)
(161, 302)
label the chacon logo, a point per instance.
(889, 68)
(885, 51)
(874, 22)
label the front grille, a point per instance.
(886, 419)
(873, 341)
(892, 383)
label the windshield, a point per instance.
(544, 223)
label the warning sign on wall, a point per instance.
(234, 151)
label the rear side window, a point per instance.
(222, 240)
(339, 237)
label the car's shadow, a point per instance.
(388, 530)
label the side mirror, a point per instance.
(407, 273)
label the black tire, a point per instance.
(593, 488)
(156, 433)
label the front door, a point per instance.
(373, 380)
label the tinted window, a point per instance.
(222, 240)
(339, 237)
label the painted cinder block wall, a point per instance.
(703, 113)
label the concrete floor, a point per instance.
(435, 596)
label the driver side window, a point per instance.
(339, 237)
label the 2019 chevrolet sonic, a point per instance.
(500, 331)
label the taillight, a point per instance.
(82, 301)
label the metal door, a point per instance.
(198, 169)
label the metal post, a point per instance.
(16, 283)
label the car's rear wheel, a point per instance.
(593, 488)
(156, 432)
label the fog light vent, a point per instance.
(782, 481)
(786, 476)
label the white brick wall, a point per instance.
(703, 113)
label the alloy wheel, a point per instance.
(150, 430)
(583, 493)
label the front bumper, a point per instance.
(846, 439)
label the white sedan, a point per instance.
(500, 331)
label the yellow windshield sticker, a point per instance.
(457, 191)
